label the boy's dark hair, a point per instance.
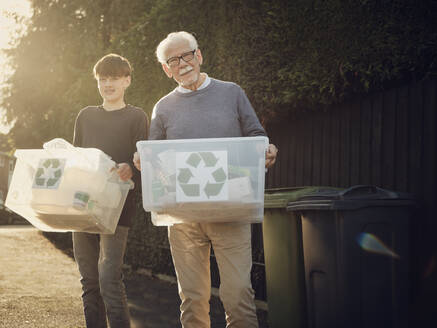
(112, 65)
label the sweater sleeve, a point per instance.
(157, 130)
(250, 125)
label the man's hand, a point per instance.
(271, 153)
(124, 171)
(136, 161)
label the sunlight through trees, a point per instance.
(287, 55)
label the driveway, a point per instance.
(40, 288)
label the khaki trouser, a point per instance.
(190, 247)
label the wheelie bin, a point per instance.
(356, 256)
(282, 238)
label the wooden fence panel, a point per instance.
(325, 163)
(317, 150)
(430, 148)
(307, 158)
(345, 142)
(416, 140)
(335, 145)
(365, 142)
(402, 138)
(278, 136)
(376, 133)
(300, 144)
(388, 139)
(292, 160)
(286, 155)
(355, 145)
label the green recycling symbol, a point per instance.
(48, 173)
(201, 176)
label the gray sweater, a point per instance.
(220, 110)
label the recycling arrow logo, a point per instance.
(201, 176)
(48, 173)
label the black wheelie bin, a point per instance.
(356, 256)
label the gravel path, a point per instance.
(40, 288)
(39, 285)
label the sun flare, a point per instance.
(8, 25)
(10, 29)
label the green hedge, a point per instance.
(288, 55)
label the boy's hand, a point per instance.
(271, 153)
(136, 161)
(124, 171)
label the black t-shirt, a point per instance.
(115, 133)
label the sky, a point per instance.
(8, 29)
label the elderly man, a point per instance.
(203, 107)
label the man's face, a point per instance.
(112, 88)
(186, 73)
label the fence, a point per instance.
(387, 139)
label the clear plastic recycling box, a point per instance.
(66, 188)
(203, 180)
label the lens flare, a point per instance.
(371, 243)
(430, 267)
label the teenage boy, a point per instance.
(114, 128)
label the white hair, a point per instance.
(173, 38)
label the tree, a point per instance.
(5, 143)
(53, 65)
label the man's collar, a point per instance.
(202, 86)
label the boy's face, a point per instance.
(112, 88)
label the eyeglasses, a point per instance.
(174, 61)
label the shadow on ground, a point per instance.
(153, 302)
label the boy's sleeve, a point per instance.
(141, 133)
(77, 134)
(142, 130)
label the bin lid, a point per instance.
(351, 198)
(280, 197)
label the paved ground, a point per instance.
(39, 288)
